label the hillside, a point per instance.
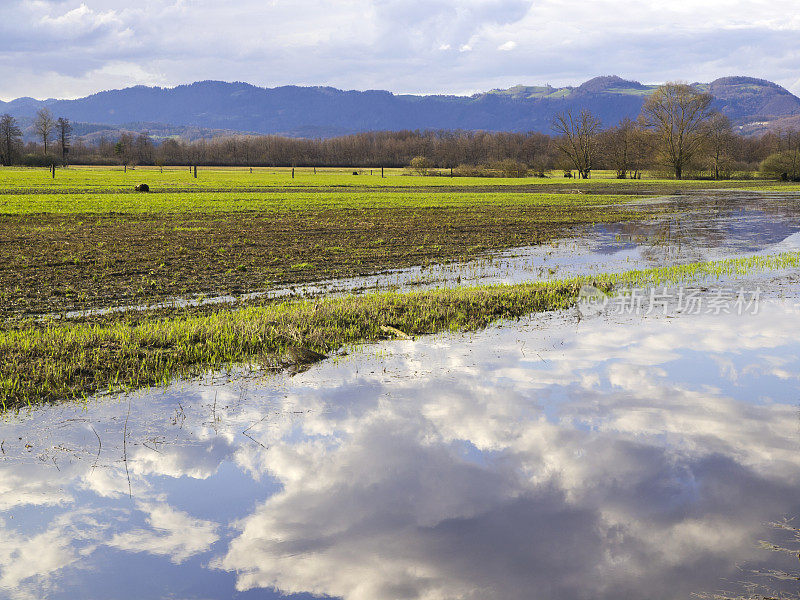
(752, 104)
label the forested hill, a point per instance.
(752, 104)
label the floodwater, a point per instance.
(697, 227)
(554, 457)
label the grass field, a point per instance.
(86, 240)
(268, 201)
(114, 179)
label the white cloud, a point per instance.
(71, 47)
(631, 468)
(171, 533)
(25, 559)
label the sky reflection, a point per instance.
(547, 458)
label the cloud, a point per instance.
(30, 565)
(25, 559)
(199, 460)
(73, 47)
(171, 533)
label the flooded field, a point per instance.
(579, 459)
(565, 455)
(698, 227)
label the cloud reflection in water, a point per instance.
(545, 458)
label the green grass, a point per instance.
(97, 179)
(105, 179)
(217, 202)
(56, 361)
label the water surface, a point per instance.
(614, 457)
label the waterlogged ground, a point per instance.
(563, 456)
(86, 242)
(600, 457)
(697, 227)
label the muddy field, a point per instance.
(61, 252)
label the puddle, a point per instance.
(703, 227)
(601, 458)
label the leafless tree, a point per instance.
(479, 149)
(719, 141)
(64, 132)
(44, 124)
(144, 148)
(677, 112)
(10, 139)
(617, 145)
(577, 137)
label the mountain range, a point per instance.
(208, 107)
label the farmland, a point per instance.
(88, 243)
(300, 342)
(85, 241)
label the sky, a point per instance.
(71, 48)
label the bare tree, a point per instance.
(125, 149)
(10, 139)
(641, 149)
(719, 141)
(64, 131)
(44, 125)
(577, 139)
(617, 145)
(677, 113)
(144, 148)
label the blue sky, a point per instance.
(70, 48)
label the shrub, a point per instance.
(421, 164)
(510, 168)
(37, 160)
(782, 165)
(471, 171)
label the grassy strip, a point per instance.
(275, 202)
(102, 179)
(68, 360)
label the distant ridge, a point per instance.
(213, 106)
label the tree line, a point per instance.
(676, 133)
